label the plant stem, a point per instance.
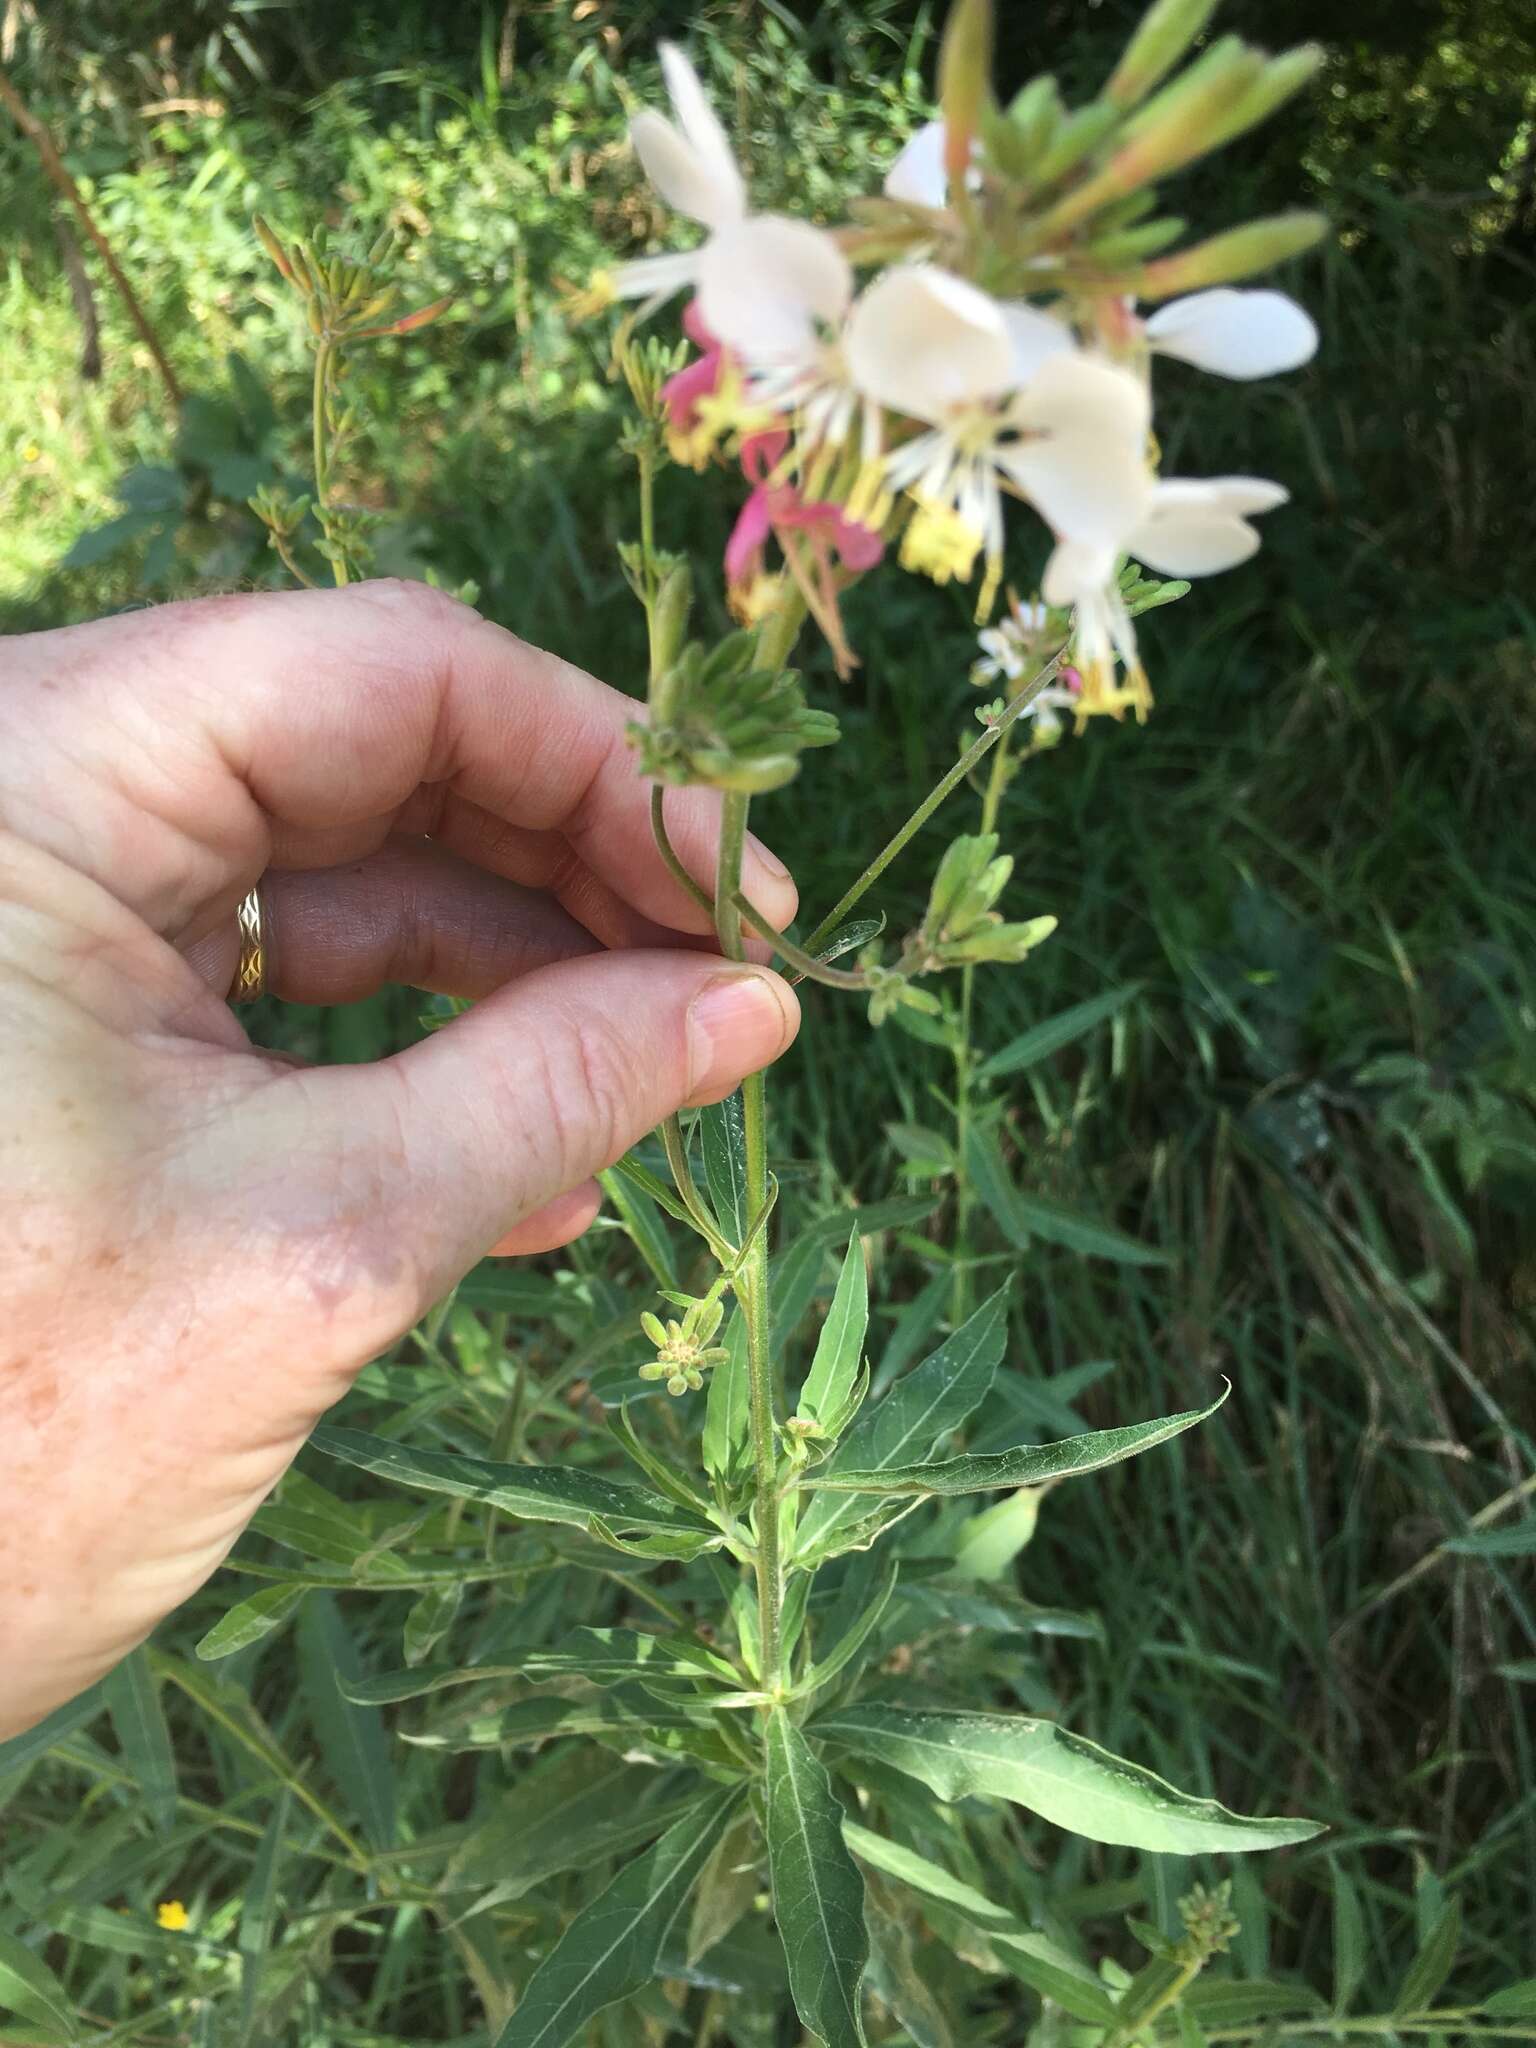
(669, 855)
(321, 450)
(929, 805)
(38, 134)
(752, 1279)
(960, 1295)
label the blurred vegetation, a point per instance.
(1311, 874)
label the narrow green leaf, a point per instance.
(1049, 1220)
(840, 1346)
(848, 1646)
(913, 1418)
(574, 1807)
(249, 1621)
(510, 1289)
(259, 1911)
(1518, 1539)
(895, 1975)
(1433, 1963)
(429, 1620)
(1022, 1217)
(538, 1493)
(1350, 1951)
(643, 1222)
(1041, 1963)
(22, 1751)
(728, 1408)
(352, 1737)
(723, 1142)
(818, 1895)
(29, 1989)
(1513, 2002)
(1025, 1465)
(612, 1947)
(605, 1656)
(1065, 1779)
(897, 1213)
(144, 1737)
(1050, 1035)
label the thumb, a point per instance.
(541, 1085)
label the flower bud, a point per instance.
(1240, 252)
(669, 617)
(965, 82)
(1281, 79)
(1167, 30)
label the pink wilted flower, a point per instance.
(775, 506)
(690, 435)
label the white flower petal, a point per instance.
(1235, 333)
(1083, 459)
(1035, 336)
(1193, 543)
(1075, 571)
(673, 166)
(765, 283)
(705, 136)
(1244, 495)
(921, 341)
(658, 276)
(917, 176)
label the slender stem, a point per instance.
(669, 853)
(41, 139)
(929, 805)
(286, 556)
(801, 961)
(752, 1278)
(960, 1295)
(321, 439)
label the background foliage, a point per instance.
(1308, 880)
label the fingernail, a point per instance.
(770, 861)
(737, 1023)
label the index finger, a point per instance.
(224, 720)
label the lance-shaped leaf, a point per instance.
(818, 1895)
(1042, 1963)
(144, 1737)
(727, 1444)
(1064, 1778)
(723, 1141)
(613, 1946)
(1025, 1465)
(913, 1418)
(539, 1493)
(840, 1347)
(250, 1621)
(604, 1656)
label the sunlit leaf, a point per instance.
(1064, 1778)
(818, 1895)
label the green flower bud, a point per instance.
(1240, 252)
(1166, 31)
(965, 82)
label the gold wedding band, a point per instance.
(250, 974)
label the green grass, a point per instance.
(1318, 1102)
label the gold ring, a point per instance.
(250, 974)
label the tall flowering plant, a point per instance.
(974, 346)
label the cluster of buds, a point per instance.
(683, 1349)
(347, 298)
(961, 927)
(1210, 1925)
(983, 331)
(718, 718)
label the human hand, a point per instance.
(202, 1243)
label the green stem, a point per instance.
(960, 1296)
(930, 803)
(752, 1278)
(321, 450)
(669, 854)
(813, 970)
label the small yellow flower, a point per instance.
(31, 452)
(173, 1916)
(938, 542)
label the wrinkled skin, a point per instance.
(201, 1243)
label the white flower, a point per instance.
(690, 163)
(1005, 394)
(1196, 527)
(1006, 647)
(776, 292)
(1235, 333)
(1191, 527)
(917, 177)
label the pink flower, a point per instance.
(700, 379)
(771, 507)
